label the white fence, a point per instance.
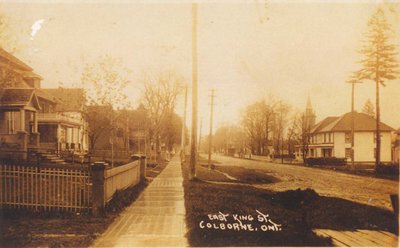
(120, 178)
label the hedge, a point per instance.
(326, 161)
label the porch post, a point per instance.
(58, 139)
(22, 119)
(35, 122)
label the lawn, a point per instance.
(224, 212)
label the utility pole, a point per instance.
(281, 131)
(353, 82)
(193, 150)
(211, 125)
(127, 132)
(183, 134)
(201, 125)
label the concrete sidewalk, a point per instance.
(156, 218)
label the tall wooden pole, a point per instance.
(183, 134)
(199, 143)
(281, 127)
(353, 82)
(352, 126)
(193, 152)
(211, 126)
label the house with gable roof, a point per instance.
(19, 120)
(331, 137)
(64, 126)
(32, 118)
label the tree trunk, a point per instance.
(378, 131)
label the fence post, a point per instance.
(142, 167)
(98, 200)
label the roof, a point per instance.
(14, 97)
(322, 124)
(11, 58)
(362, 122)
(46, 96)
(69, 99)
(19, 66)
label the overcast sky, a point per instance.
(247, 49)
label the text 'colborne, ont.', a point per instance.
(237, 222)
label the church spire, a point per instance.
(309, 114)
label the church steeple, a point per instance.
(309, 114)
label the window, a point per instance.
(325, 139)
(348, 153)
(11, 122)
(374, 152)
(326, 153)
(347, 137)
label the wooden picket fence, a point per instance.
(120, 178)
(69, 188)
(45, 187)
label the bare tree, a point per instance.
(159, 99)
(253, 123)
(258, 122)
(99, 122)
(305, 137)
(379, 62)
(293, 132)
(281, 114)
(105, 82)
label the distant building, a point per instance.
(332, 138)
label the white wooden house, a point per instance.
(332, 138)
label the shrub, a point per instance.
(388, 169)
(285, 156)
(326, 161)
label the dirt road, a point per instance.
(362, 189)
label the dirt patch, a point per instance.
(245, 175)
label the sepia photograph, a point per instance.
(199, 123)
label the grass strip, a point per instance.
(297, 211)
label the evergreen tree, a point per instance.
(369, 108)
(379, 62)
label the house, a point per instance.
(63, 125)
(332, 138)
(32, 118)
(16, 74)
(396, 147)
(19, 121)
